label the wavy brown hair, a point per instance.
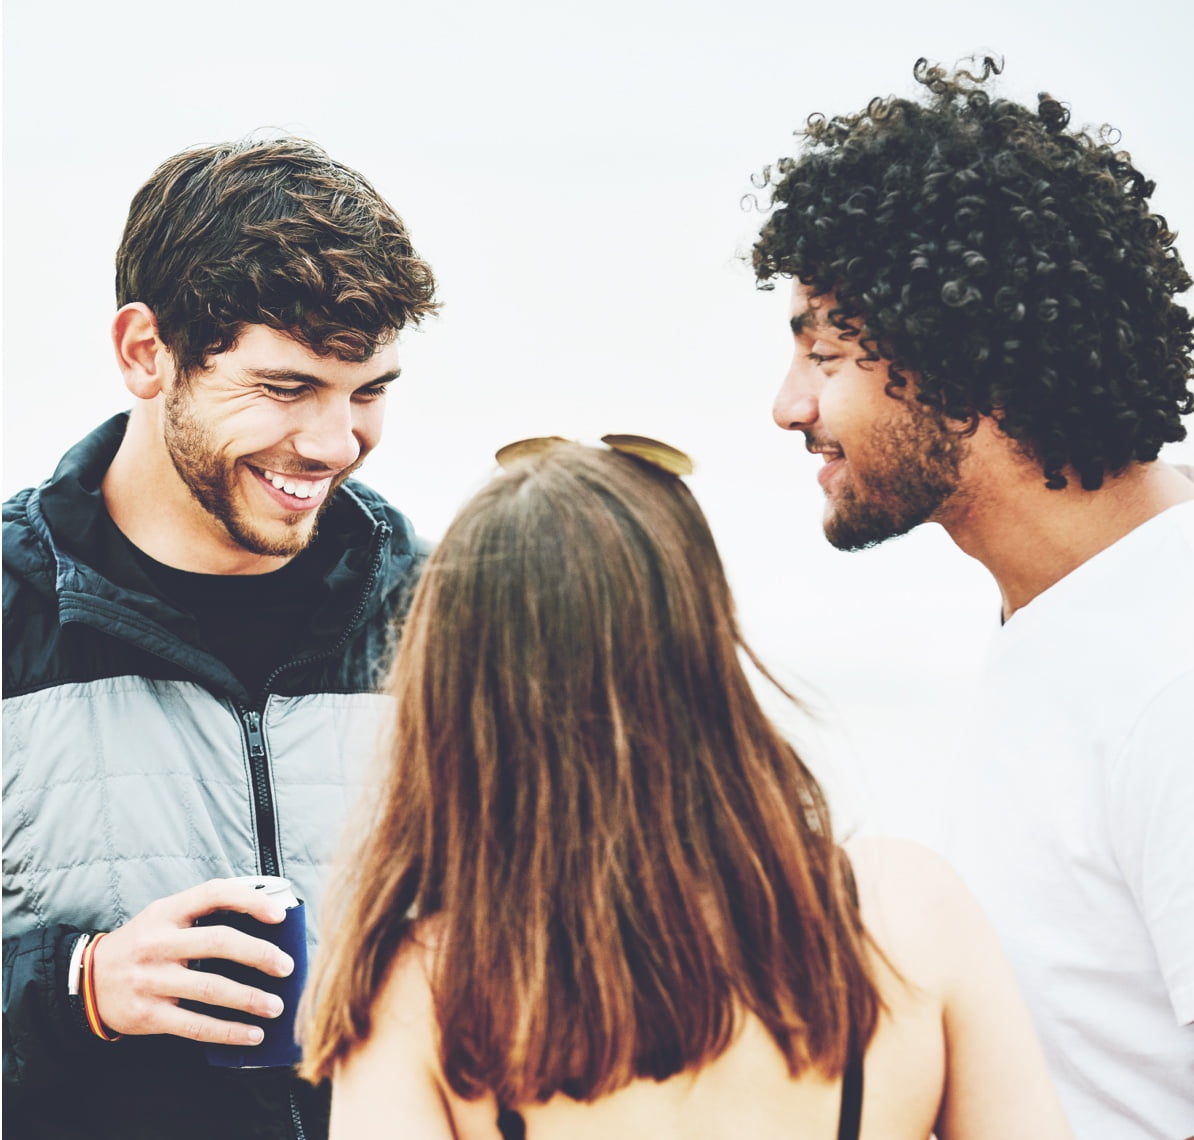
(1014, 265)
(272, 232)
(622, 852)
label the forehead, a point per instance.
(259, 347)
(809, 312)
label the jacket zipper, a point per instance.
(263, 798)
(250, 719)
(299, 1134)
(267, 838)
(263, 795)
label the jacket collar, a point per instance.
(376, 544)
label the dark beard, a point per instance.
(189, 447)
(918, 472)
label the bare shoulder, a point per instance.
(915, 906)
(936, 936)
(394, 1073)
(397, 1073)
(877, 854)
(406, 991)
(899, 880)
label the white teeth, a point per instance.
(298, 490)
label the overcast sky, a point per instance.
(574, 174)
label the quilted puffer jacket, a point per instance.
(137, 765)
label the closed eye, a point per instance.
(371, 391)
(285, 394)
(823, 350)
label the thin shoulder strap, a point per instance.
(510, 1124)
(850, 1118)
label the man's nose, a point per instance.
(329, 435)
(796, 406)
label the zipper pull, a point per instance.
(253, 731)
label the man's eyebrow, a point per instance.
(294, 376)
(803, 322)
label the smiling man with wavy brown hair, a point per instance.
(196, 606)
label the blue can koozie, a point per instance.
(278, 1047)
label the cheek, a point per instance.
(838, 410)
(260, 427)
(853, 402)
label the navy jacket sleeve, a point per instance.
(42, 1035)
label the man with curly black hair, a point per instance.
(986, 336)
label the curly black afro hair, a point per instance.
(1012, 265)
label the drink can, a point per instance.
(278, 1048)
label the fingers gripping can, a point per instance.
(278, 1047)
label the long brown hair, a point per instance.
(621, 850)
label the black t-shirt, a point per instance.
(250, 622)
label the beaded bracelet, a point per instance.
(87, 985)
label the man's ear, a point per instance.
(142, 358)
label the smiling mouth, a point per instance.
(832, 458)
(827, 451)
(296, 486)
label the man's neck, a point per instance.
(1030, 537)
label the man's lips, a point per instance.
(827, 472)
(295, 492)
(833, 460)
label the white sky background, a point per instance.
(573, 173)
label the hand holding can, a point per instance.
(278, 1047)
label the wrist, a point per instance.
(83, 981)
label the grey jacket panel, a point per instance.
(123, 790)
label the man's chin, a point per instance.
(850, 541)
(289, 537)
(862, 530)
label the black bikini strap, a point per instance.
(510, 1124)
(850, 1119)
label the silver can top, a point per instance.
(273, 885)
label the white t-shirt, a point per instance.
(1076, 827)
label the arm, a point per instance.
(935, 935)
(996, 1083)
(395, 1074)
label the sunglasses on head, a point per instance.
(653, 451)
